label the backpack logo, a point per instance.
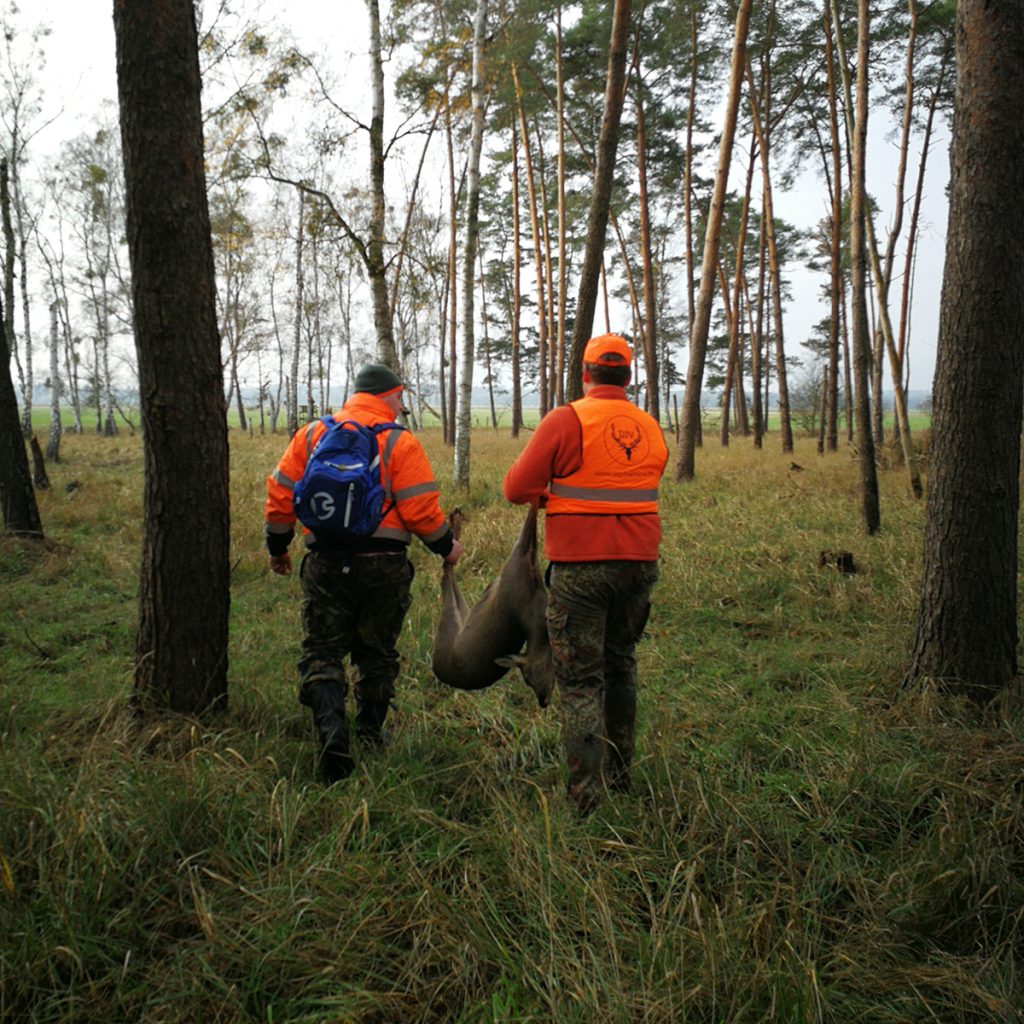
(321, 505)
(342, 494)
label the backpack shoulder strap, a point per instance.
(328, 422)
(385, 461)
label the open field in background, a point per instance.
(805, 842)
(481, 418)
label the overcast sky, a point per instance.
(80, 73)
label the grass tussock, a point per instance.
(804, 841)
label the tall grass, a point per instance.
(804, 841)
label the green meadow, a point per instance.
(805, 841)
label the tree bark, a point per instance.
(650, 299)
(563, 269)
(966, 635)
(17, 499)
(531, 190)
(376, 270)
(517, 380)
(835, 249)
(858, 259)
(684, 468)
(604, 172)
(464, 420)
(56, 426)
(181, 645)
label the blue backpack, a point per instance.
(341, 495)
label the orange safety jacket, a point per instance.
(623, 457)
(415, 508)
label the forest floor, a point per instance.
(805, 841)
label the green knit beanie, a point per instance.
(377, 379)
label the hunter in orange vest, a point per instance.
(356, 591)
(595, 465)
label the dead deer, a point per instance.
(474, 647)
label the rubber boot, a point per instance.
(370, 717)
(328, 707)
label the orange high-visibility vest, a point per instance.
(414, 492)
(623, 457)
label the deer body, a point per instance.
(474, 647)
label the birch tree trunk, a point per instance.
(56, 427)
(386, 352)
(26, 320)
(464, 420)
(293, 388)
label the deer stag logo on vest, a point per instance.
(626, 440)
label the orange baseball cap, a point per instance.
(605, 348)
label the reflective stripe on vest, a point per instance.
(623, 457)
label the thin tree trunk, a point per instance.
(684, 468)
(376, 270)
(908, 266)
(542, 315)
(547, 356)
(871, 250)
(563, 270)
(56, 427)
(293, 391)
(448, 378)
(465, 413)
(26, 320)
(650, 299)
(688, 173)
(604, 172)
(517, 298)
(774, 272)
(858, 258)
(836, 288)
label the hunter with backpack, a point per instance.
(361, 486)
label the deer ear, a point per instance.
(512, 661)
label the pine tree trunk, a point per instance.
(858, 259)
(967, 612)
(836, 289)
(563, 270)
(181, 645)
(684, 469)
(531, 190)
(650, 299)
(604, 173)
(517, 380)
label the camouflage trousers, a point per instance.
(596, 615)
(353, 607)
